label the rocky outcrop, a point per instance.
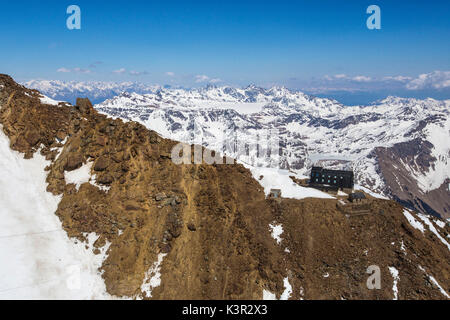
(209, 222)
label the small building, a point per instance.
(357, 197)
(275, 194)
(337, 179)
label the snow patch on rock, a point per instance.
(277, 231)
(415, 223)
(430, 225)
(395, 275)
(267, 295)
(280, 179)
(50, 101)
(287, 290)
(79, 176)
(287, 293)
(93, 181)
(153, 277)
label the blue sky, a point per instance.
(323, 47)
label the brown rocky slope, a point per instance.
(211, 221)
(403, 187)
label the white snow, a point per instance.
(418, 225)
(267, 295)
(241, 107)
(370, 192)
(402, 247)
(430, 225)
(415, 223)
(38, 260)
(153, 277)
(277, 231)
(79, 176)
(287, 290)
(50, 101)
(280, 179)
(395, 275)
(439, 287)
(441, 224)
(93, 181)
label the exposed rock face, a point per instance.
(73, 162)
(210, 221)
(396, 165)
(84, 105)
(101, 164)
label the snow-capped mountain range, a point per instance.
(97, 91)
(398, 147)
